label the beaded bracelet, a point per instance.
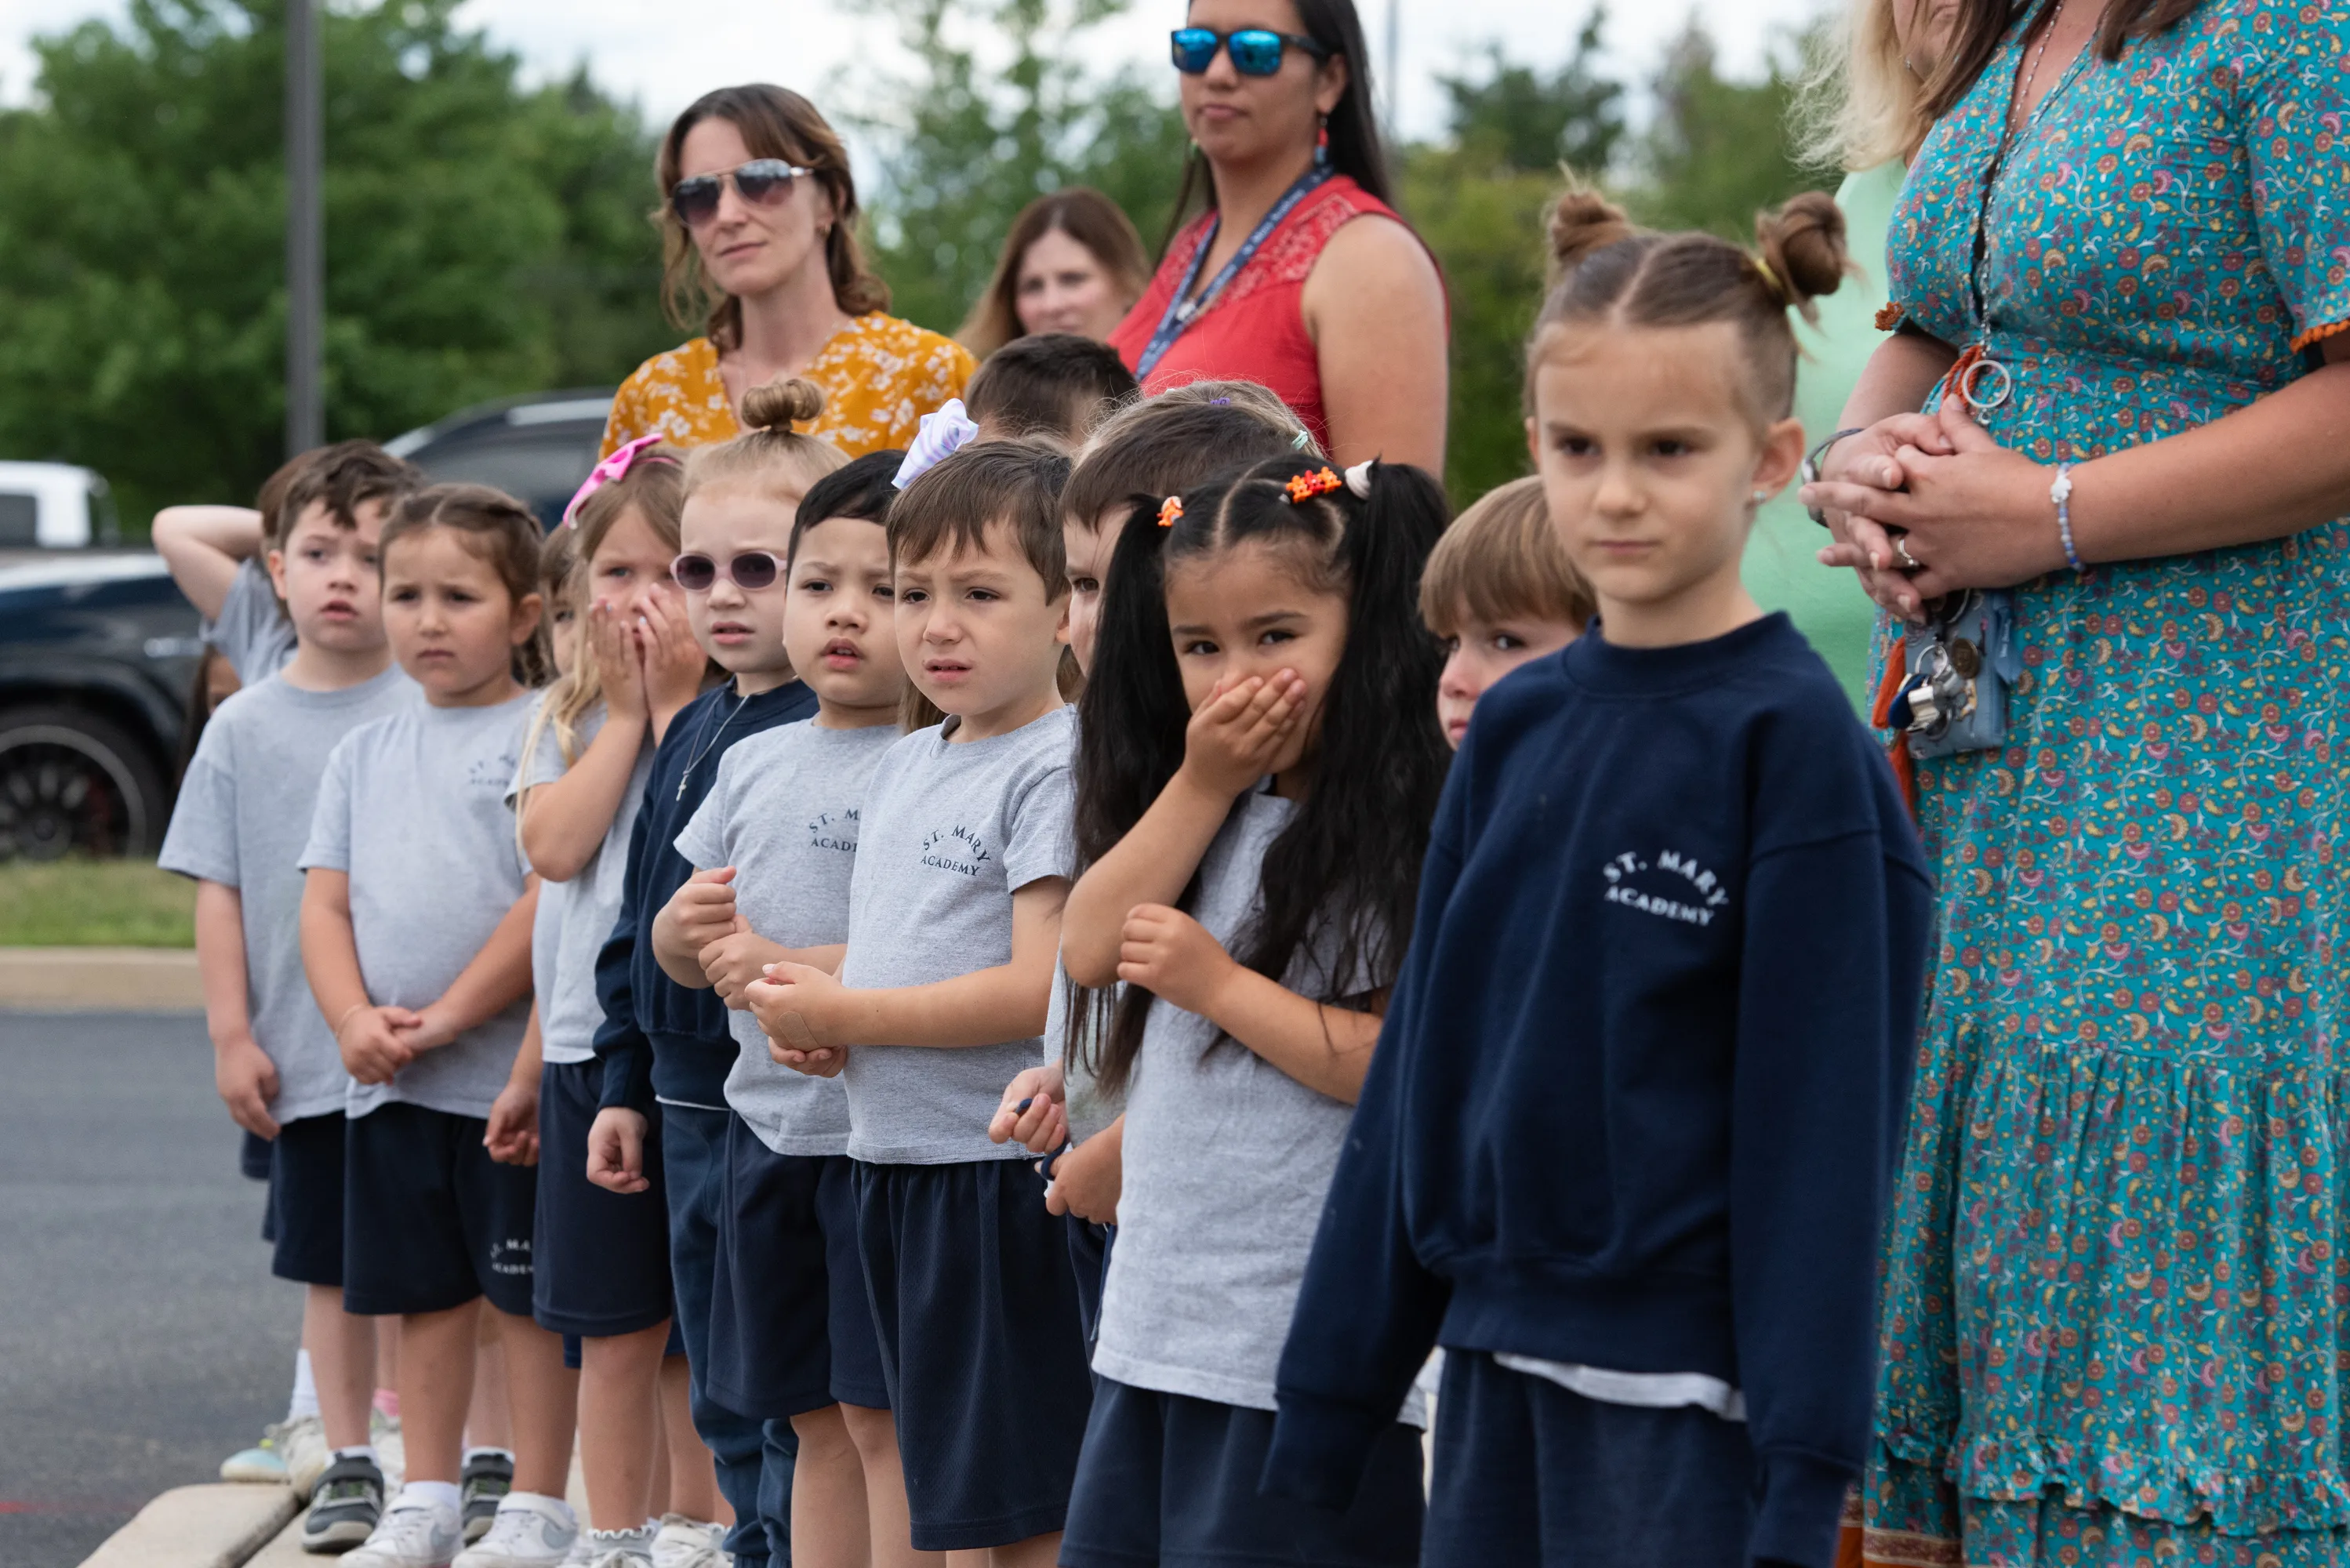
(2061, 493)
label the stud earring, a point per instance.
(1758, 498)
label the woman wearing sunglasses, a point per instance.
(1299, 275)
(758, 222)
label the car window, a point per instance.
(541, 466)
(20, 520)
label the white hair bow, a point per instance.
(943, 434)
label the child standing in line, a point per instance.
(601, 1258)
(791, 1337)
(1251, 848)
(954, 913)
(416, 939)
(243, 816)
(1500, 592)
(1625, 1148)
(663, 1045)
(1154, 448)
(1054, 385)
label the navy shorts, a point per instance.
(305, 1200)
(252, 1157)
(977, 1311)
(600, 1257)
(790, 1330)
(1168, 1479)
(1529, 1473)
(430, 1220)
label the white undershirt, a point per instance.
(1652, 1391)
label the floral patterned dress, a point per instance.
(2117, 1274)
(880, 375)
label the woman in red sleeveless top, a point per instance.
(1299, 275)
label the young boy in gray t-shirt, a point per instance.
(238, 829)
(955, 917)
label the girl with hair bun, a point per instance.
(758, 222)
(1625, 1146)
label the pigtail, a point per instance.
(1351, 857)
(1802, 251)
(1131, 719)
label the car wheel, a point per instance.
(73, 783)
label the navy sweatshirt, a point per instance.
(1637, 1101)
(660, 1038)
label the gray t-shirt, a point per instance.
(243, 816)
(576, 917)
(252, 631)
(785, 813)
(950, 831)
(413, 807)
(1227, 1160)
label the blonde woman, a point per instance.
(1863, 110)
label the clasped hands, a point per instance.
(1971, 512)
(376, 1041)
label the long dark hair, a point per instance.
(1349, 861)
(1983, 24)
(1356, 148)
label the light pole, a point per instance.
(305, 259)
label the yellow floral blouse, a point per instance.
(880, 375)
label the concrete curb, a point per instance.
(100, 980)
(220, 1525)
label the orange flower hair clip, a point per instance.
(1304, 487)
(1169, 510)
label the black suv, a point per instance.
(99, 651)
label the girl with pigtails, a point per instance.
(1258, 764)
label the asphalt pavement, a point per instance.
(142, 1338)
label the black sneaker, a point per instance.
(345, 1506)
(489, 1476)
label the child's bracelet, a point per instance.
(346, 1018)
(2061, 493)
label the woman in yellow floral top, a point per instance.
(758, 222)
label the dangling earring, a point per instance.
(1322, 143)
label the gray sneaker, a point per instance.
(488, 1477)
(347, 1507)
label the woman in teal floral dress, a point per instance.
(2118, 1275)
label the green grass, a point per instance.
(95, 904)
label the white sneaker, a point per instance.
(682, 1543)
(410, 1535)
(302, 1441)
(528, 1531)
(617, 1548)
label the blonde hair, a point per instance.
(1501, 561)
(770, 458)
(1859, 104)
(653, 488)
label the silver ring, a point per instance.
(1902, 558)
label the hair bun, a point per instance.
(1584, 222)
(1803, 245)
(782, 403)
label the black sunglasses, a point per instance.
(750, 571)
(1256, 51)
(761, 182)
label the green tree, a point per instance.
(1717, 152)
(970, 143)
(1520, 118)
(481, 239)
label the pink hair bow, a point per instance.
(613, 468)
(941, 435)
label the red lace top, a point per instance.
(1253, 331)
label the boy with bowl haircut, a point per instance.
(238, 830)
(962, 866)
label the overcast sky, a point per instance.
(662, 53)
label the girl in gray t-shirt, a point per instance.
(1240, 933)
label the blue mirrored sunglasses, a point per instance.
(1256, 51)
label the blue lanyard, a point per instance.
(1182, 309)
